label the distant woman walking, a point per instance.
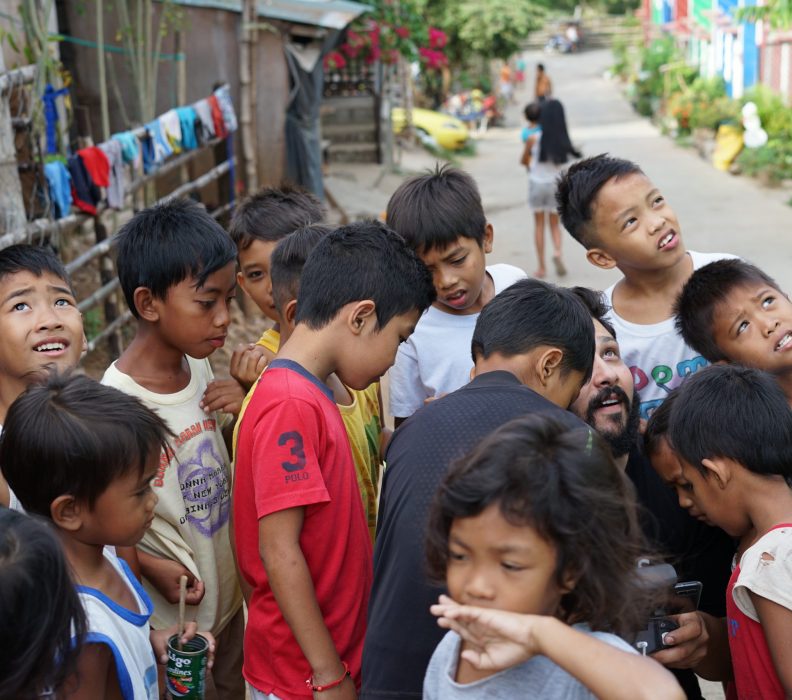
(550, 152)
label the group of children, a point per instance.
(534, 532)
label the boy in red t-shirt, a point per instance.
(300, 533)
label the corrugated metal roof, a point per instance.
(333, 14)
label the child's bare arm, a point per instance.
(500, 639)
(96, 676)
(292, 586)
(776, 621)
(164, 575)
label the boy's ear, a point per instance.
(600, 258)
(719, 470)
(146, 304)
(362, 314)
(489, 234)
(66, 513)
(548, 362)
(289, 313)
(240, 278)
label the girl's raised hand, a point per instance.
(496, 639)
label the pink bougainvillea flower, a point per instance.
(403, 32)
(437, 38)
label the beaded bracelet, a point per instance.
(328, 686)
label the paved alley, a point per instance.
(717, 211)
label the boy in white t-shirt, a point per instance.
(177, 269)
(441, 217)
(618, 214)
(102, 451)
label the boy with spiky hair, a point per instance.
(441, 217)
(177, 270)
(623, 221)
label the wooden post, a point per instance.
(100, 57)
(11, 203)
(247, 50)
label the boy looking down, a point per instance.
(301, 537)
(622, 219)
(441, 217)
(177, 270)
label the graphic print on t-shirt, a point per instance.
(663, 377)
(203, 480)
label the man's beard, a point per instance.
(624, 434)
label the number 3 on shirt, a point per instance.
(297, 451)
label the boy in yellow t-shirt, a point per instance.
(361, 411)
(259, 222)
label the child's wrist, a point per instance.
(329, 673)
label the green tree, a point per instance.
(491, 29)
(777, 13)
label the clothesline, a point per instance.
(100, 172)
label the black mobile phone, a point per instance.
(687, 595)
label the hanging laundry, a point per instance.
(188, 118)
(130, 147)
(96, 164)
(223, 95)
(59, 182)
(51, 115)
(116, 187)
(148, 152)
(171, 129)
(206, 130)
(162, 148)
(217, 118)
(85, 193)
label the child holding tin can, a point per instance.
(537, 538)
(101, 449)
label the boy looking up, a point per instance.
(622, 219)
(40, 326)
(441, 217)
(259, 222)
(731, 311)
(177, 270)
(301, 537)
(101, 452)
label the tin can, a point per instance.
(186, 670)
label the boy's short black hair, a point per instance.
(531, 313)
(579, 186)
(364, 260)
(431, 211)
(735, 413)
(532, 111)
(167, 243)
(73, 435)
(707, 287)
(597, 307)
(34, 259)
(658, 424)
(288, 260)
(272, 213)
